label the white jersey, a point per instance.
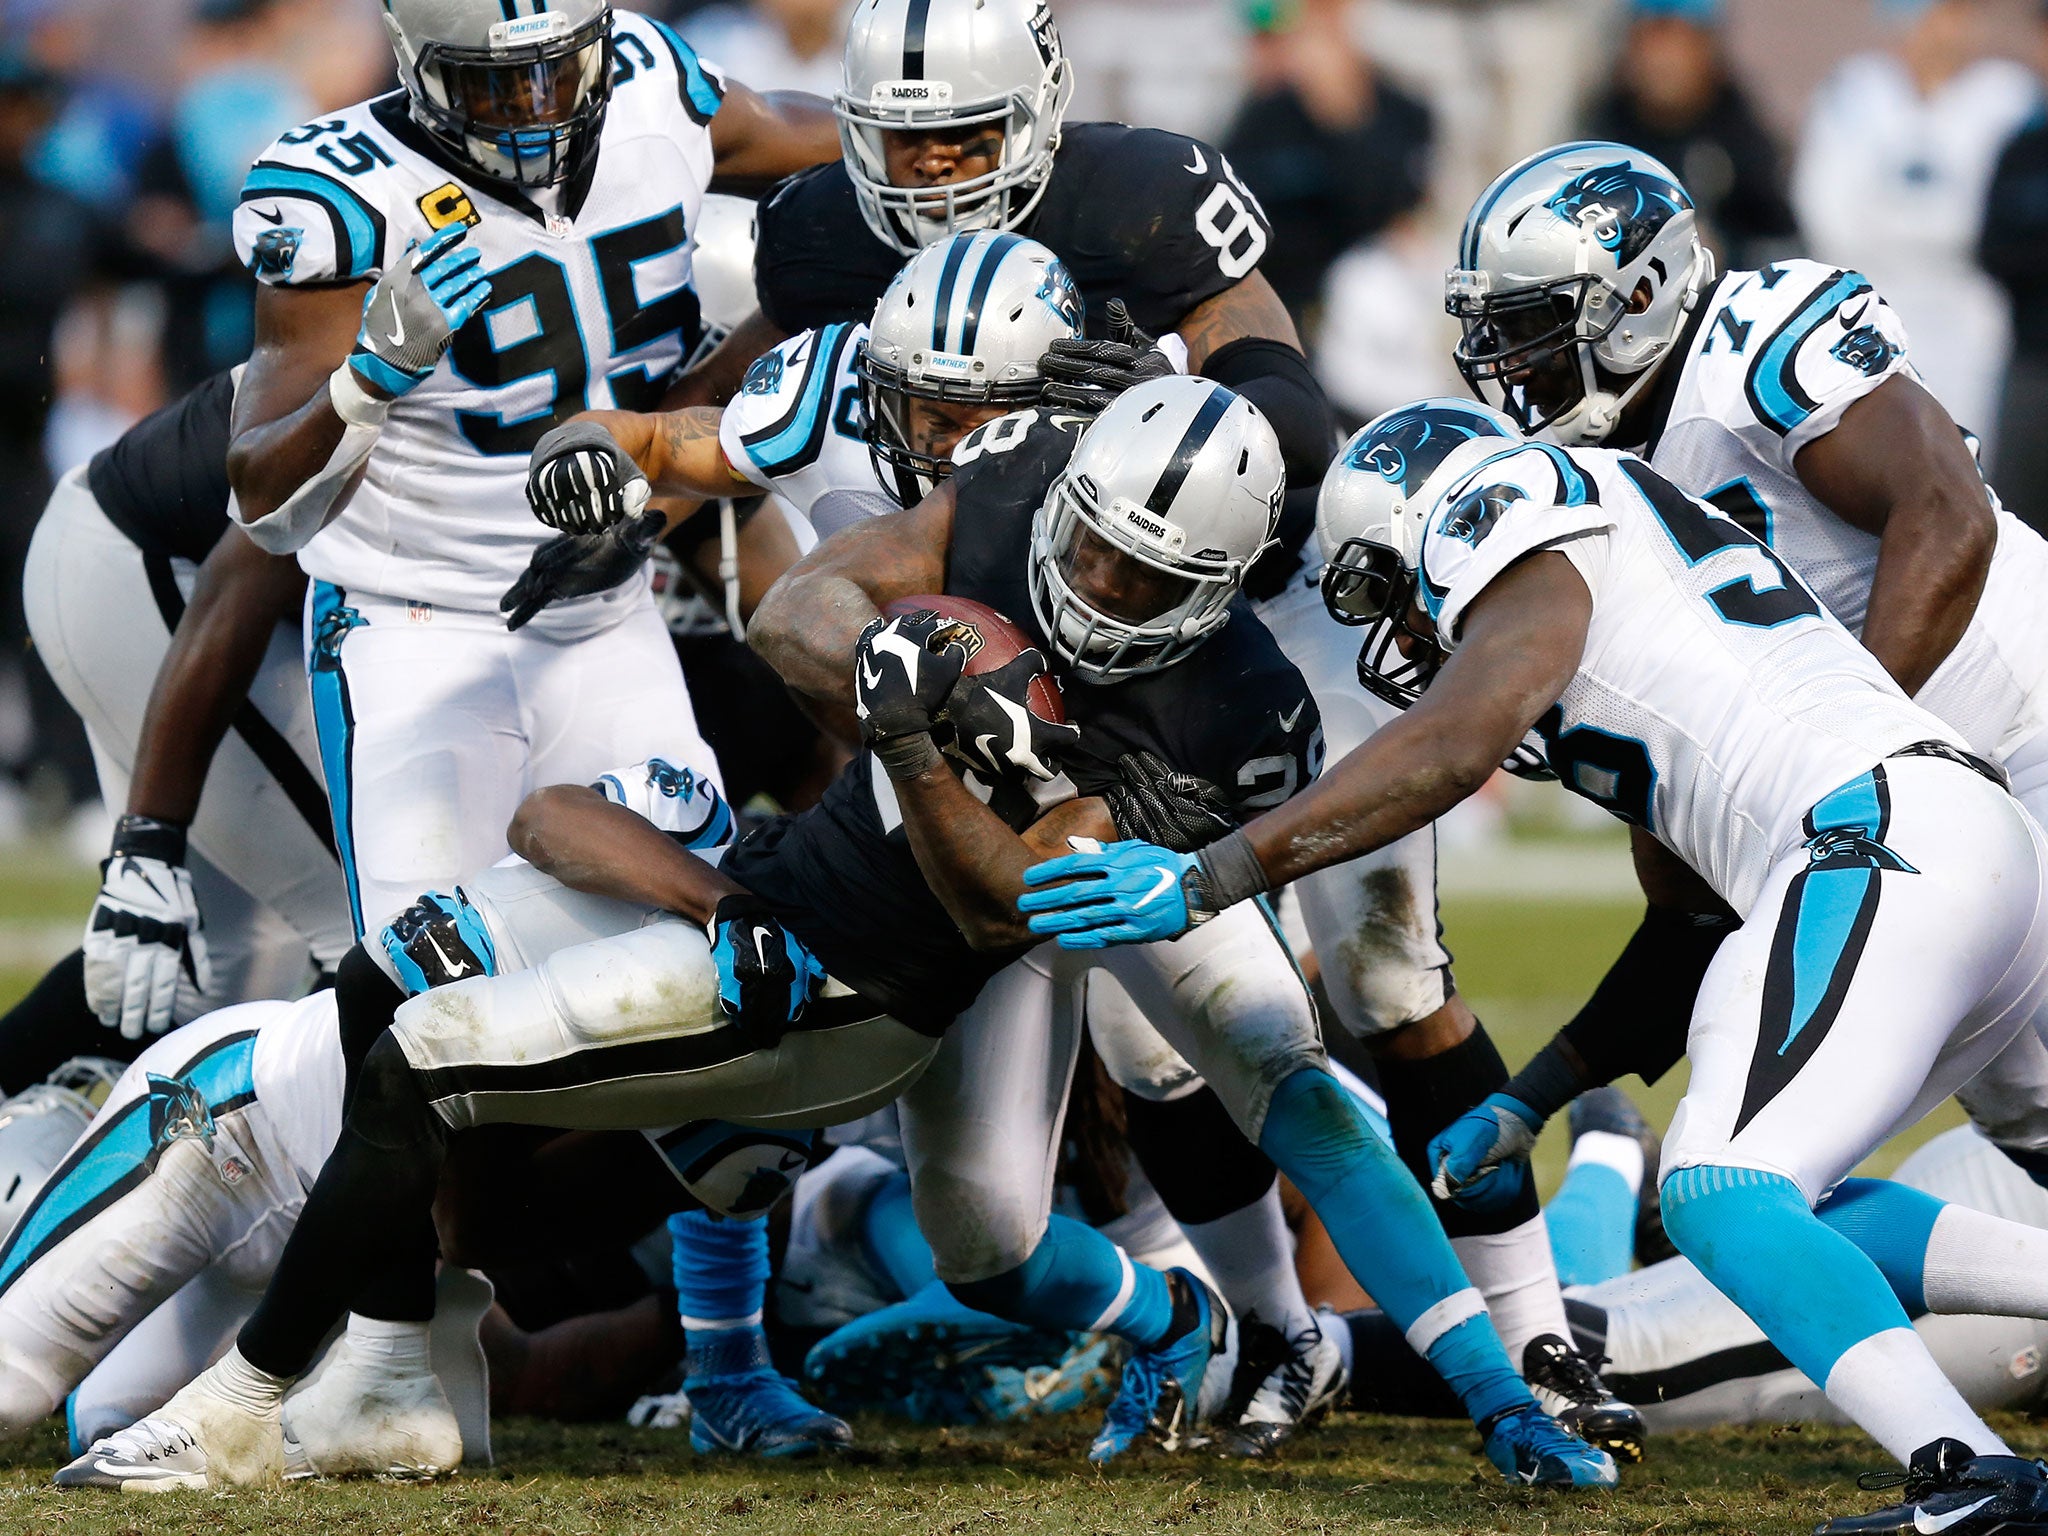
(297, 1073)
(591, 307)
(1716, 701)
(797, 428)
(1779, 356)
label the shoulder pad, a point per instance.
(776, 424)
(312, 208)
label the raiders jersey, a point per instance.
(842, 876)
(590, 307)
(164, 482)
(1138, 214)
(1716, 701)
(1771, 363)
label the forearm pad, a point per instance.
(1276, 378)
(312, 506)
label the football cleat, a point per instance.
(199, 1439)
(1950, 1491)
(1567, 1385)
(1613, 1111)
(741, 1405)
(1170, 1392)
(927, 1358)
(1086, 1376)
(358, 1417)
(1529, 1446)
(1292, 1382)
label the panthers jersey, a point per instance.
(842, 876)
(1152, 218)
(1772, 362)
(797, 428)
(590, 307)
(1716, 701)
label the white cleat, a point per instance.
(357, 1418)
(199, 1439)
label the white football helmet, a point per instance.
(1576, 271)
(932, 64)
(1144, 539)
(519, 99)
(39, 1125)
(966, 322)
(722, 268)
(1375, 502)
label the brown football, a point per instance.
(993, 642)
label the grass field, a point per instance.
(1526, 964)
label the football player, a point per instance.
(444, 273)
(1683, 677)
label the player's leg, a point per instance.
(1228, 998)
(1883, 963)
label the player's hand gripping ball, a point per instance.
(1002, 715)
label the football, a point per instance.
(992, 642)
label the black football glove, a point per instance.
(578, 564)
(903, 670)
(1152, 803)
(1082, 375)
(994, 731)
(579, 480)
(765, 975)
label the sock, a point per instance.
(1078, 1281)
(1981, 1263)
(246, 1386)
(393, 1348)
(1515, 1275)
(1387, 1234)
(1818, 1297)
(1337, 1330)
(1891, 1224)
(721, 1271)
(1250, 1255)
(1592, 1219)
(889, 1235)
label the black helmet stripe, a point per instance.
(1191, 441)
(991, 259)
(943, 304)
(913, 39)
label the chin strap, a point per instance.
(314, 504)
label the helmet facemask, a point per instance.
(1367, 584)
(526, 110)
(1531, 351)
(900, 440)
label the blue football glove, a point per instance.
(438, 939)
(1481, 1159)
(1124, 893)
(765, 975)
(415, 309)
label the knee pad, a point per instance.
(1375, 938)
(528, 915)
(978, 1228)
(1135, 1055)
(1195, 1156)
(735, 1170)
(1425, 1096)
(26, 1396)
(389, 1109)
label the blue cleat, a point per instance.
(1529, 1446)
(740, 1405)
(1169, 1392)
(927, 1358)
(1085, 1377)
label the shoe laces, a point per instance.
(150, 1439)
(1574, 1375)
(1284, 1393)
(1130, 1411)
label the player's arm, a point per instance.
(759, 137)
(1247, 308)
(590, 844)
(677, 452)
(1896, 466)
(717, 379)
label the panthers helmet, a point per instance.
(722, 268)
(965, 321)
(1180, 477)
(914, 65)
(1375, 501)
(1576, 271)
(39, 1125)
(517, 99)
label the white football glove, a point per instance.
(145, 951)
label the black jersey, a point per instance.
(1153, 218)
(164, 482)
(842, 877)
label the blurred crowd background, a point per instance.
(1907, 138)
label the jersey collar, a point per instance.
(394, 111)
(1657, 403)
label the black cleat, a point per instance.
(1610, 1110)
(1569, 1388)
(1284, 1384)
(1949, 1492)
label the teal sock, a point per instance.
(1592, 1222)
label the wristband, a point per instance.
(905, 757)
(1231, 871)
(146, 837)
(1551, 1080)
(354, 404)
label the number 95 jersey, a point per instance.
(591, 307)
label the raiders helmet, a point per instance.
(39, 1125)
(518, 99)
(950, 64)
(965, 321)
(1576, 271)
(1171, 494)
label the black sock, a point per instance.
(365, 1239)
(51, 1025)
(1425, 1096)
(1195, 1155)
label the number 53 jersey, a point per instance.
(1716, 701)
(591, 307)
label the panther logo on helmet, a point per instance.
(1405, 447)
(1625, 207)
(1060, 294)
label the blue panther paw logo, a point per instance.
(764, 376)
(1407, 447)
(1625, 207)
(1866, 349)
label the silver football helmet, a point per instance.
(39, 1125)
(1145, 537)
(1375, 502)
(1576, 271)
(964, 323)
(722, 268)
(518, 99)
(920, 65)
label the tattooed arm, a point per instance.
(677, 451)
(1246, 308)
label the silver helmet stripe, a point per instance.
(913, 39)
(1175, 474)
(992, 256)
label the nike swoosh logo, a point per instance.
(1201, 164)
(1287, 721)
(760, 934)
(270, 215)
(1850, 322)
(453, 966)
(1929, 1525)
(397, 337)
(1165, 883)
(985, 744)
(869, 678)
